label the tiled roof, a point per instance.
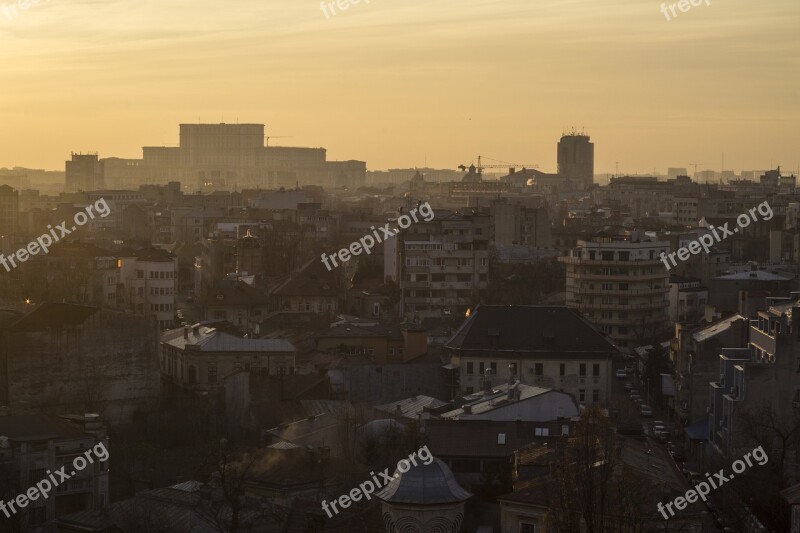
(49, 315)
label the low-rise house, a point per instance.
(198, 357)
(237, 302)
(382, 343)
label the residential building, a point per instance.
(33, 445)
(544, 346)
(200, 357)
(620, 286)
(440, 265)
(687, 299)
(762, 374)
(149, 280)
(237, 302)
(515, 223)
(382, 343)
(312, 289)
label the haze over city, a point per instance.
(418, 266)
(399, 83)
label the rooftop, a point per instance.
(530, 329)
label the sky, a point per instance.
(404, 83)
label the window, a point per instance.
(481, 368)
(542, 432)
(583, 369)
(562, 369)
(596, 370)
(565, 430)
(582, 395)
(528, 527)
(595, 395)
(212, 373)
(538, 369)
(470, 367)
(493, 367)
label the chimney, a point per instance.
(511, 170)
(186, 333)
(196, 330)
(467, 409)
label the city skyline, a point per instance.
(401, 84)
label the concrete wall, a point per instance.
(108, 365)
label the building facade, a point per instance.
(621, 286)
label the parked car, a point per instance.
(621, 374)
(628, 369)
(629, 386)
(633, 391)
(663, 437)
(646, 411)
(635, 397)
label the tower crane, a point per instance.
(498, 164)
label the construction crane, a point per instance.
(695, 168)
(268, 137)
(498, 164)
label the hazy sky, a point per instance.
(399, 82)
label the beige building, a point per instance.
(550, 347)
(201, 357)
(620, 286)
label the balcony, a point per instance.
(597, 262)
(630, 278)
(639, 291)
(762, 340)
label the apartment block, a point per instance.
(149, 280)
(440, 265)
(620, 285)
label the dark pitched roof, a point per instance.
(554, 330)
(50, 315)
(36, 427)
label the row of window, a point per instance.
(538, 369)
(161, 291)
(156, 275)
(160, 308)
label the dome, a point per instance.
(423, 484)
